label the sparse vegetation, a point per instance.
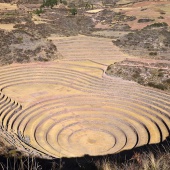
(20, 39)
(28, 43)
(64, 2)
(16, 48)
(39, 11)
(143, 74)
(148, 42)
(153, 53)
(139, 161)
(49, 3)
(156, 157)
(158, 86)
(73, 11)
(145, 20)
(157, 24)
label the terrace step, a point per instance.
(101, 115)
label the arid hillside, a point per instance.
(154, 73)
(85, 78)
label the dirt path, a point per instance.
(69, 107)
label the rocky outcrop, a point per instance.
(146, 72)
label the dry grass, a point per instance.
(148, 160)
(144, 161)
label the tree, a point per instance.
(49, 3)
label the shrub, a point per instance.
(38, 11)
(158, 86)
(73, 11)
(153, 53)
(140, 80)
(49, 3)
(19, 60)
(64, 2)
(109, 67)
(163, 12)
(88, 6)
(157, 24)
(20, 39)
(168, 81)
(136, 75)
(160, 74)
(160, 17)
(145, 20)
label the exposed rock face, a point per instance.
(151, 73)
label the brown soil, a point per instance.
(151, 10)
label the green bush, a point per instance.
(20, 39)
(140, 80)
(163, 12)
(64, 2)
(153, 53)
(168, 81)
(73, 11)
(160, 74)
(136, 75)
(158, 86)
(88, 6)
(109, 67)
(157, 25)
(38, 11)
(49, 3)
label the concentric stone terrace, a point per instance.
(71, 108)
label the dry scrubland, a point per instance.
(72, 105)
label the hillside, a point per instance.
(83, 79)
(154, 73)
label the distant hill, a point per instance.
(23, 1)
(118, 2)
